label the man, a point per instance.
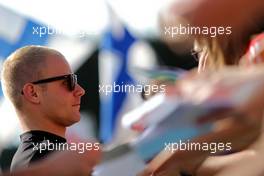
(40, 84)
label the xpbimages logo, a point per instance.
(131, 88)
(80, 147)
(42, 31)
(45, 30)
(212, 147)
(187, 29)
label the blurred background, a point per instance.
(103, 41)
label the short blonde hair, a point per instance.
(23, 66)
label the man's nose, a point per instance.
(79, 91)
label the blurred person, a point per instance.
(244, 131)
(46, 96)
(229, 164)
(215, 54)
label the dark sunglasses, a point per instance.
(71, 81)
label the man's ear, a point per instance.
(31, 93)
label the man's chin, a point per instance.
(74, 120)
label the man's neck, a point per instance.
(44, 126)
(60, 133)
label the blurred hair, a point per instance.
(222, 52)
(227, 50)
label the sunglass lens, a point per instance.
(72, 82)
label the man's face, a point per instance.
(58, 103)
